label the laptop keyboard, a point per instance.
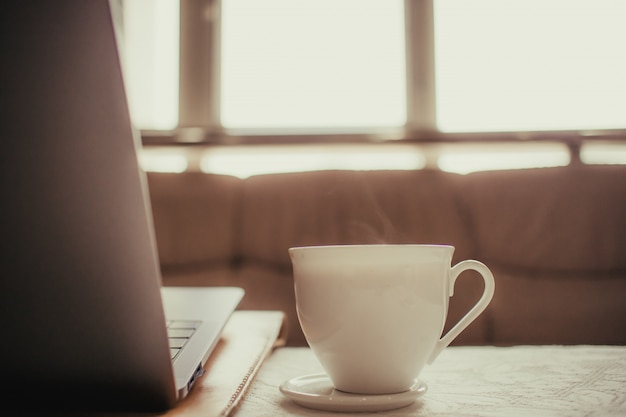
(179, 333)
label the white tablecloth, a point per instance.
(478, 381)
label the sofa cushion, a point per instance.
(195, 217)
(555, 219)
(532, 307)
(349, 207)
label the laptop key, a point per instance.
(174, 353)
(174, 332)
(183, 324)
(178, 342)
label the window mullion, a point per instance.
(199, 68)
(420, 61)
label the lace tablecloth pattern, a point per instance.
(478, 381)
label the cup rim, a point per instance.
(368, 245)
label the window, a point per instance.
(302, 64)
(150, 56)
(511, 65)
(341, 65)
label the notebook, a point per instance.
(82, 312)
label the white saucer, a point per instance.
(316, 391)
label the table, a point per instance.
(477, 381)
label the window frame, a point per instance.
(199, 94)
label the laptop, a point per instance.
(84, 319)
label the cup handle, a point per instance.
(475, 311)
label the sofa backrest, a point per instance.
(553, 219)
(196, 217)
(555, 238)
(347, 207)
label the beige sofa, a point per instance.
(555, 239)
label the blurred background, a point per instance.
(496, 126)
(242, 87)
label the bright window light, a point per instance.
(156, 160)
(150, 54)
(246, 161)
(307, 64)
(464, 159)
(603, 153)
(524, 65)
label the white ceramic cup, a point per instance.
(374, 314)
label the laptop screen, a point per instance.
(79, 269)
